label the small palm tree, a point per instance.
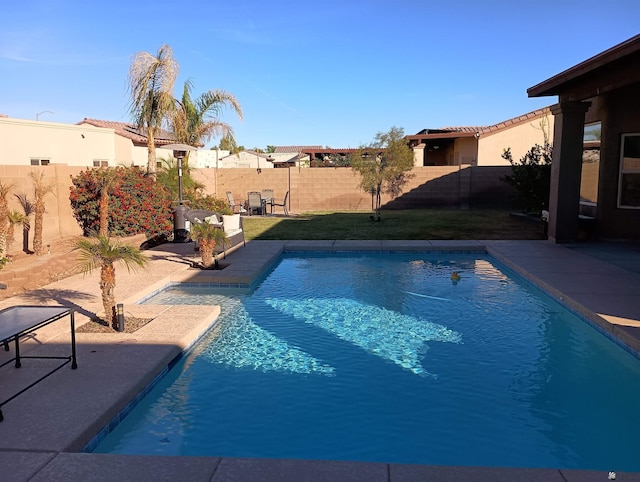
(28, 208)
(15, 218)
(100, 252)
(5, 189)
(167, 176)
(40, 189)
(209, 236)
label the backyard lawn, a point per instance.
(407, 224)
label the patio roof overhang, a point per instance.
(440, 135)
(612, 69)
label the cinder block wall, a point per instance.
(333, 189)
(321, 189)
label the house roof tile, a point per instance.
(129, 131)
(464, 131)
(288, 149)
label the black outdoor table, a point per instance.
(19, 321)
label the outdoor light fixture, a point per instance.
(120, 311)
(180, 226)
(179, 155)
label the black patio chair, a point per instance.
(254, 203)
(285, 208)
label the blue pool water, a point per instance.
(385, 358)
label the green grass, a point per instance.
(409, 224)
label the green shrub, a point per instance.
(531, 178)
(211, 203)
(137, 204)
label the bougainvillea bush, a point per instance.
(137, 204)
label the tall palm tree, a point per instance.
(40, 190)
(100, 252)
(28, 208)
(5, 190)
(196, 121)
(151, 81)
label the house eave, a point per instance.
(559, 83)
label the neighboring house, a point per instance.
(30, 142)
(598, 101)
(247, 159)
(90, 143)
(481, 145)
(307, 155)
(131, 146)
(130, 142)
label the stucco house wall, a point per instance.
(618, 111)
(481, 145)
(247, 160)
(73, 145)
(520, 138)
(465, 151)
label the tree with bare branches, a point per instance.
(384, 166)
(151, 82)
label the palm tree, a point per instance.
(40, 191)
(196, 121)
(208, 236)
(100, 252)
(105, 181)
(28, 209)
(14, 218)
(151, 81)
(5, 189)
(168, 177)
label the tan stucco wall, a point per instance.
(589, 181)
(58, 220)
(618, 111)
(465, 151)
(73, 145)
(520, 138)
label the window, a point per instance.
(100, 163)
(629, 183)
(36, 161)
(590, 163)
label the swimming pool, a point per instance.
(389, 358)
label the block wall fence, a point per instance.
(311, 189)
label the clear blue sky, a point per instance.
(327, 72)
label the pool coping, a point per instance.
(45, 459)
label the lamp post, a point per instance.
(179, 155)
(43, 112)
(180, 223)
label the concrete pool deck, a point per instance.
(45, 428)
